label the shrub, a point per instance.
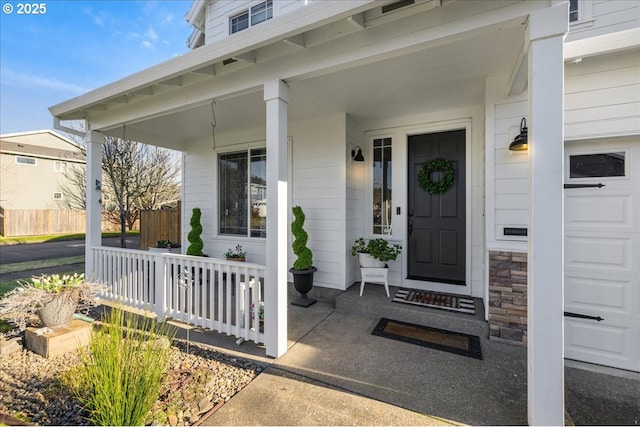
(304, 254)
(121, 375)
(195, 248)
(378, 248)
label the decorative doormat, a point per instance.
(438, 339)
(430, 299)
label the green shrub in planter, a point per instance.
(378, 248)
(304, 254)
(196, 244)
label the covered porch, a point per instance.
(308, 94)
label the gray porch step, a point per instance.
(374, 304)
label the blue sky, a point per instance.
(76, 46)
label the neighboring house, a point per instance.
(291, 101)
(34, 167)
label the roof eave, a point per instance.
(313, 15)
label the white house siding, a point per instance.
(608, 16)
(219, 12)
(602, 96)
(355, 176)
(318, 172)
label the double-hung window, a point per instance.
(257, 14)
(59, 166)
(22, 160)
(243, 193)
(382, 186)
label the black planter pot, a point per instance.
(303, 282)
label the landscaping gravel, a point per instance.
(195, 383)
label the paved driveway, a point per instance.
(10, 254)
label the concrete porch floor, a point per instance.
(336, 373)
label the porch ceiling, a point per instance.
(440, 78)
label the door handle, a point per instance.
(583, 316)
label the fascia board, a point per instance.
(607, 43)
(313, 15)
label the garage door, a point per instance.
(602, 253)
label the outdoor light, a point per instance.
(357, 155)
(520, 142)
(98, 185)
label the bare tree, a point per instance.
(136, 177)
(140, 177)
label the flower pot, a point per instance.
(236, 259)
(59, 310)
(303, 282)
(164, 250)
(367, 261)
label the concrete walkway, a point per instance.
(337, 373)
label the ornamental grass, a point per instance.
(121, 375)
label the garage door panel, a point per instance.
(579, 211)
(606, 344)
(611, 253)
(602, 295)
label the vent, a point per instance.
(397, 5)
(229, 61)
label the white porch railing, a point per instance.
(217, 294)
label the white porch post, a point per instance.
(545, 353)
(94, 141)
(276, 96)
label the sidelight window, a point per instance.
(382, 205)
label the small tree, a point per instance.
(304, 254)
(196, 244)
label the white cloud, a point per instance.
(147, 44)
(134, 35)
(151, 34)
(169, 19)
(12, 78)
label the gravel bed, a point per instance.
(195, 383)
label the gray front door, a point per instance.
(437, 222)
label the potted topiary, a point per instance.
(374, 253)
(237, 254)
(52, 297)
(196, 243)
(303, 268)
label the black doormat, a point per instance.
(431, 299)
(438, 339)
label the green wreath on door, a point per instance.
(446, 180)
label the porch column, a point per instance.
(276, 96)
(94, 141)
(545, 351)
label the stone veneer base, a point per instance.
(508, 297)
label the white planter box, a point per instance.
(165, 250)
(367, 261)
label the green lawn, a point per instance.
(55, 237)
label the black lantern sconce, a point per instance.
(520, 142)
(356, 154)
(98, 185)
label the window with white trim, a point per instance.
(22, 160)
(242, 178)
(255, 15)
(382, 206)
(580, 13)
(59, 166)
(57, 195)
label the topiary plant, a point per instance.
(304, 254)
(195, 248)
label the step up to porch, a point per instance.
(374, 304)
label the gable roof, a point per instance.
(42, 138)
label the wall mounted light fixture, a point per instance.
(520, 142)
(98, 185)
(356, 154)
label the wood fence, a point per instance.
(36, 222)
(159, 225)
